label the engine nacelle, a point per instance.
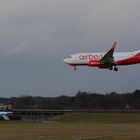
(94, 63)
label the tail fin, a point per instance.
(10, 107)
(1, 106)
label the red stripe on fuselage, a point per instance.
(129, 61)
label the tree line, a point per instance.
(82, 100)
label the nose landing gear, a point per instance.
(111, 67)
(74, 67)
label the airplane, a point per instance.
(5, 111)
(102, 60)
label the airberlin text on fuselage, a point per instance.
(88, 56)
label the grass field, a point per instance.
(75, 127)
(99, 117)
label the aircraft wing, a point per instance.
(108, 57)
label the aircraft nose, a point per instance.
(65, 60)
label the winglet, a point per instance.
(113, 47)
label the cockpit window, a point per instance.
(69, 57)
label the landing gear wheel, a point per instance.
(75, 68)
(115, 69)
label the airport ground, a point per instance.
(93, 126)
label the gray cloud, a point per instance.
(36, 35)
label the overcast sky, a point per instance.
(36, 35)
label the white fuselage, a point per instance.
(4, 114)
(104, 60)
(84, 58)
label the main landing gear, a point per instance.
(75, 68)
(115, 68)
